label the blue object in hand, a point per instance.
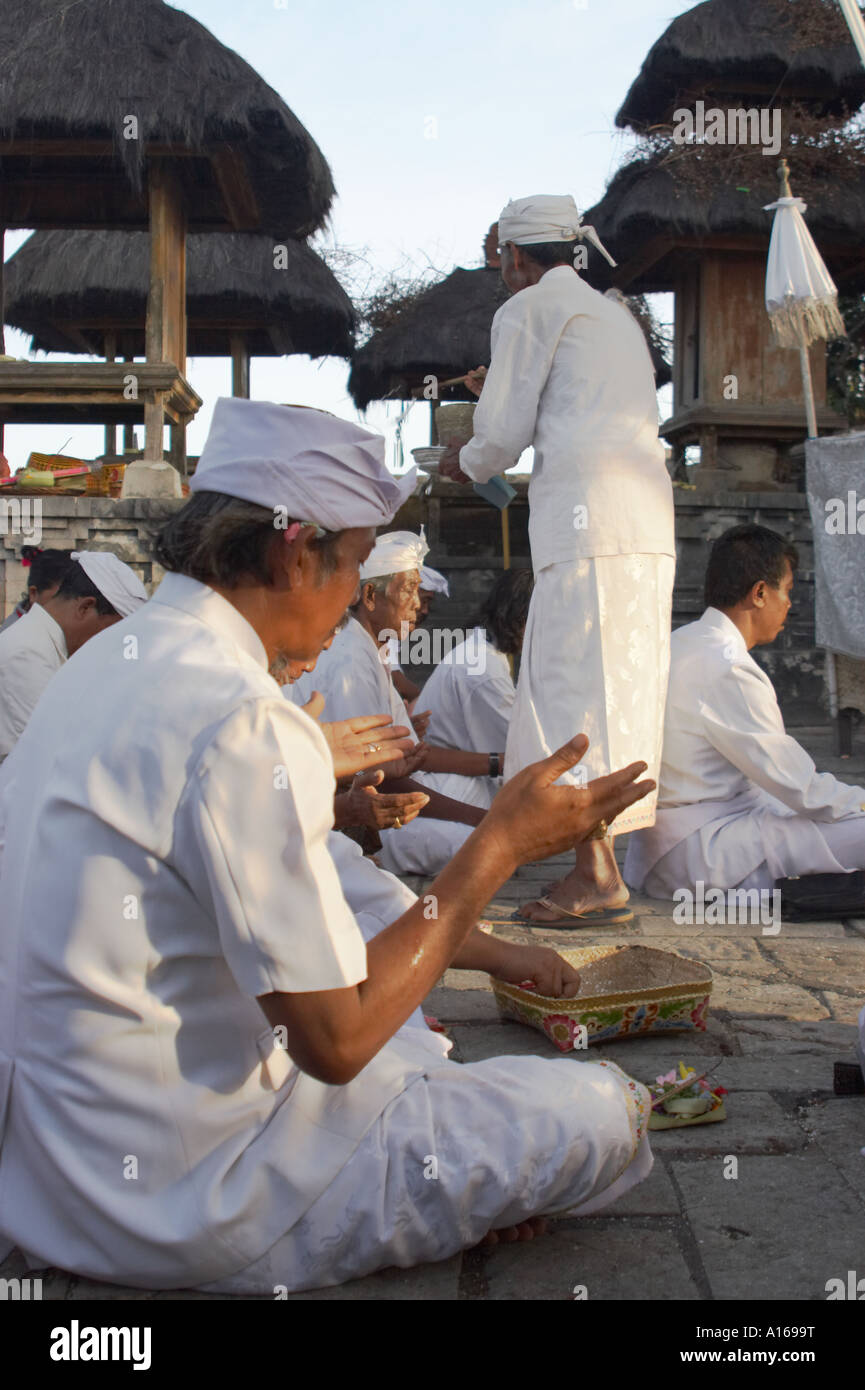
(498, 492)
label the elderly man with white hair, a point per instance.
(570, 374)
(353, 677)
(207, 1077)
(96, 593)
(431, 584)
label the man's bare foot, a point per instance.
(507, 1235)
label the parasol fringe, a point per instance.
(801, 322)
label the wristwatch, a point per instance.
(495, 767)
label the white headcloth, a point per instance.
(545, 217)
(115, 581)
(314, 465)
(394, 553)
(433, 582)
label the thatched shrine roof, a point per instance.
(751, 53)
(91, 90)
(445, 332)
(70, 289)
(659, 209)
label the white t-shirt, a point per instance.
(469, 696)
(161, 868)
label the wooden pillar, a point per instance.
(178, 446)
(239, 365)
(128, 429)
(165, 334)
(110, 446)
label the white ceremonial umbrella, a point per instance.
(801, 298)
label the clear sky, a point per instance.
(431, 115)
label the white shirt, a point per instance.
(469, 696)
(31, 651)
(725, 747)
(161, 869)
(571, 374)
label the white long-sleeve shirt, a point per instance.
(727, 755)
(32, 650)
(570, 373)
(470, 695)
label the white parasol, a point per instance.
(801, 297)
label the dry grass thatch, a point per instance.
(63, 287)
(751, 52)
(445, 331)
(73, 70)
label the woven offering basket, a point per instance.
(626, 990)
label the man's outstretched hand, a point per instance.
(359, 744)
(534, 819)
(449, 463)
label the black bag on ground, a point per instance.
(815, 897)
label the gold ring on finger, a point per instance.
(397, 823)
(600, 831)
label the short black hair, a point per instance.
(223, 540)
(47, 567)
(78, 584)
(506, 609)
(550, 253)
(742, 557)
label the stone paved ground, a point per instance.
(783, 1011)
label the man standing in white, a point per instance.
(740, 802)
(570, 373)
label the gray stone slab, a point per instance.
(780, 1230)
(609, 1260)
(479, 1041)
(741, 995)
(837, 964)
(654, 1196)
(665, 926)
(471, 1005)
(755, 1124)
(845, 1007)
(758, 1035)
(838, 1125)
(436, 1282)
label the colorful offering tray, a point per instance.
(684, 1098)
(625, 991)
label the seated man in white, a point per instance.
(431, 585)
(354, 678)
(470, 694)
(206, 1077)
(96, 591)
(740, 802)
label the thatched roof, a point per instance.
(444, 333)
(654, 210)
(68, 289)
(752, 53)
(71, 74)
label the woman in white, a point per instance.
(204, 1075)
(570, 374)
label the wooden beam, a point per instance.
(232, 177)
(75, 340)
(239, 366)
(165, 332)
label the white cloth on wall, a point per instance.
(469, 696)
(835, 482)
(595, 660)
(32, 650)
(355, 681)
(570, 373)
(738, 797)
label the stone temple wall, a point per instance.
(466, 545)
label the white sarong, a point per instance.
(596, 658)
